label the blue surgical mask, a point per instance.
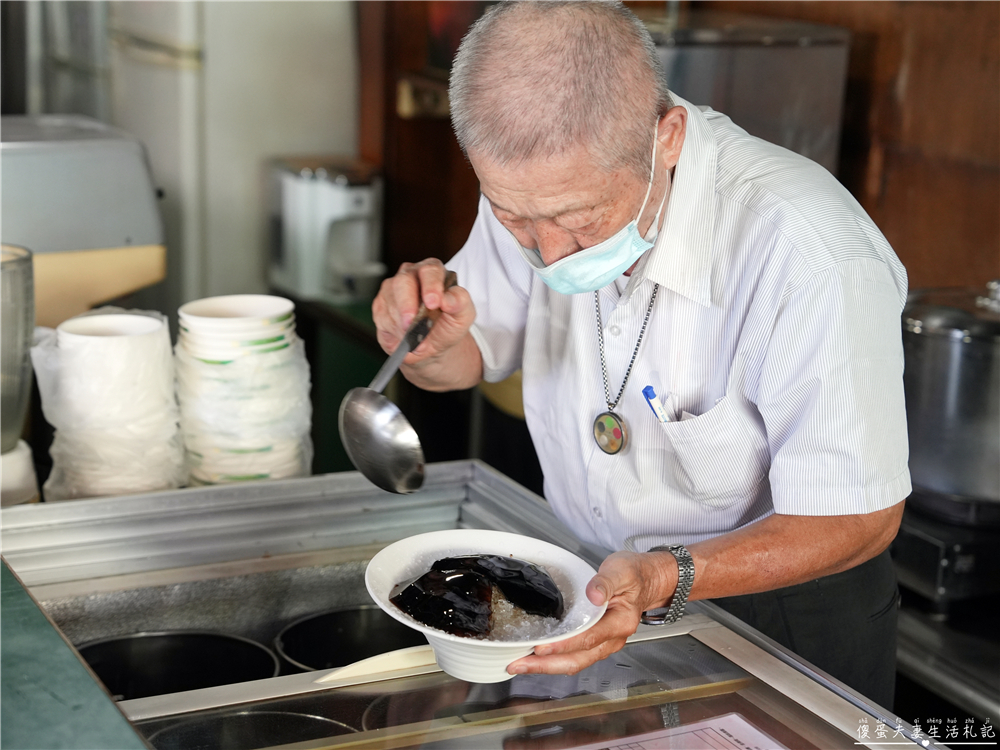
(597, 266)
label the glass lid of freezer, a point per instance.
(669, 692)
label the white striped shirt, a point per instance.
(775, 334)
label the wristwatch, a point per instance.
(685, 579)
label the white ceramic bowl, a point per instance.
(230, 345)
(238, 335)
(471, 659)
(217, 444)
(269, 355)
(235, 311)
(208, 476)
(241, 464)
(239, 340)
(221, 354)
(270, 371)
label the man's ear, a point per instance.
(670, 134)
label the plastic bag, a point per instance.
(106, 380)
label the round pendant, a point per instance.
(610, 432)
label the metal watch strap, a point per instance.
(685, 579)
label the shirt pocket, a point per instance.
(720, 457)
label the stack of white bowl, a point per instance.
(243, 387)
(107, 386)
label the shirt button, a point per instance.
(597, 512)
(614, 330)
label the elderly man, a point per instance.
(632, 245)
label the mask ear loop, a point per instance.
(652, 173)
(654, 228)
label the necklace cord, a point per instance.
(635, 353)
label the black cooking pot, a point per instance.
(246, 730)
(343, 636)
(145, 664)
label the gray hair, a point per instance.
(535, 79)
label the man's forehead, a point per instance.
(549, 187)
(544, 210)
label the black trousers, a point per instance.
(845, 624)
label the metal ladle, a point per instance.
(378, 439)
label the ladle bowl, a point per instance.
(378, 439)
(380, 442)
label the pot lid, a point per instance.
(957, 312)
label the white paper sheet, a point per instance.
(727, 732)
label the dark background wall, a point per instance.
(921, 138)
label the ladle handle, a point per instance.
(422, 324)
(416, 333)
(450, 280)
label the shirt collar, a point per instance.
(681, 259)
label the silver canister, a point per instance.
(17, 320)
(951, 340)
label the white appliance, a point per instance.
(79, 194)
(215, 90)
(325, 229)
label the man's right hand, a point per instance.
(448, 358)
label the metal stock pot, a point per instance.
(951, 341)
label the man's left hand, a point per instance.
(630, 583)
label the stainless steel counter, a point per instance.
(249, 558)
(697, 672)
(960, 665)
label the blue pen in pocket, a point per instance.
(654, 403)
